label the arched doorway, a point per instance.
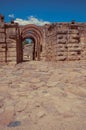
(34, 34)
(29, 49)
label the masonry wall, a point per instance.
(61, 41)
(2, 46)
(65, 41)
(7, 46)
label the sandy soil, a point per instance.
(43, 96)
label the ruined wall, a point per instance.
(2, 46)
(83, 43)
(11, 52)
(65, 41)
(61, 41)
(8, 45)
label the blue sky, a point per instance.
(47, 10)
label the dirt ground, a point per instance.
(43, 96)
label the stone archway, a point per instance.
(33, 32)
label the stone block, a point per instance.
(71, 40)
(11, 58)
(74, 57)
(63, 41)
(11, 54)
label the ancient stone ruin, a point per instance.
(51, 42)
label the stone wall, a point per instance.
(11, 52)
(83, 43)
(2, 46)
(8, 45)
(61, 41)
(65, 41)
